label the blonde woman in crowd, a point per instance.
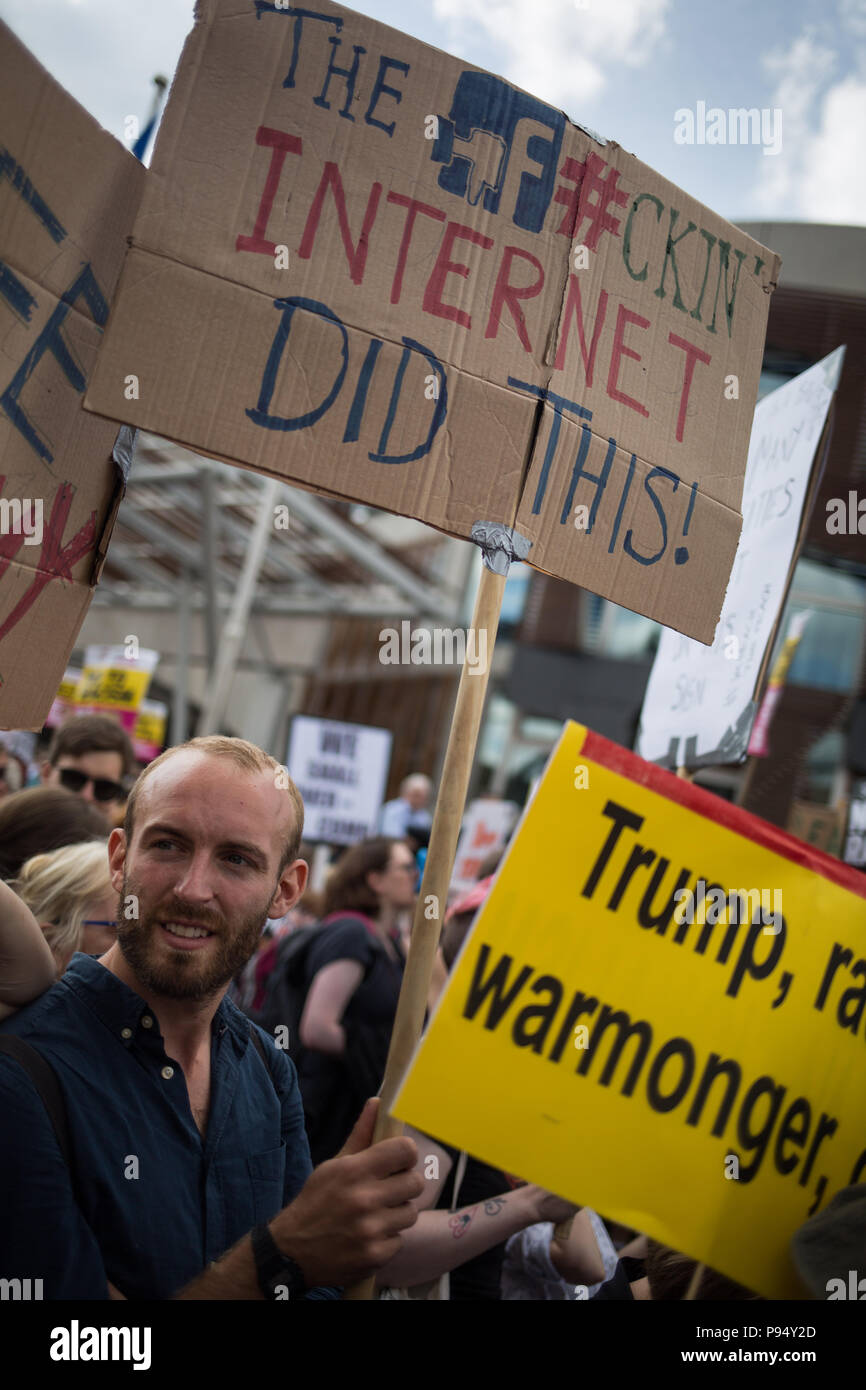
(63, 902)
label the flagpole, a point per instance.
(499, 546)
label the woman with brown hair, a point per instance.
(353, 971)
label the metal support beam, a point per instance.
(132, 519)
(419, 593)
(277, 557)
(208, 564)
(179, 708)
(235, 626)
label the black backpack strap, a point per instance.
(260, 1049)
(44, 1078)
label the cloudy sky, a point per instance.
(621, 67)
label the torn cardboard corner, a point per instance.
(369, 268)
(68, 196)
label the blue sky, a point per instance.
(621, 67)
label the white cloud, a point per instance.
(820, 174)
(853, 15)
(800, 72)
(557, 49)
(833, 183)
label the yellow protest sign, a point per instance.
(148, 736)
(112, 687)
(659, 1013)
(115, 679)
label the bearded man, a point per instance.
(188, 1171)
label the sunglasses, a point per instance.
(103, 787)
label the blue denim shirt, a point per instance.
(149, 1201)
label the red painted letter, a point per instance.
(432, 302)
(573, 304)
(693, 355)
(283, 144)
(504, 293)
(414, 208)
(620, 350)
(355, 255)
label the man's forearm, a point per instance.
(231, 1277)
(442, 1240)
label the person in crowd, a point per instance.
(831, 1245)
(41, 819)
(91, 755)
(353, 972)
(27, 967)
(476, 1268)
(459, 1242)
(155, 1065)
(672, 1276)
(70, 893)
(63, 901)
(11, 775)
(534, 1264)
(409, 809)
(540, 1265)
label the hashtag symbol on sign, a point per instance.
(581, 205)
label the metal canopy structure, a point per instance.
(227, 572)
(186, 524)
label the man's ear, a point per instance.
(45, 770)
(293, 881)
(117, 858)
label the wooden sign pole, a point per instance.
(444, 833)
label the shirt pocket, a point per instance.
(267, 1173)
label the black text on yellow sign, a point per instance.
(610, 1032)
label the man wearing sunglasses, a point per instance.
(90, 755)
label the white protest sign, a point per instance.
(340, 771)
(700, 701)
(855, 834)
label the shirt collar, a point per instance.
(119, 1007)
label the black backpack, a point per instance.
(280, 999)
(280, 1002)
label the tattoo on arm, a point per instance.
(462, 1220)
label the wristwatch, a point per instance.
(279, 1276)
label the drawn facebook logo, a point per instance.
(478, 137)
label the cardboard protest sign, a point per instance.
(367, 267)
(486, 826)
(699, 705)
(659, 1012)
(68, 195)
(340, 771)
(818, 825)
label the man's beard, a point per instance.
(184, 977)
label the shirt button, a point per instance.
(126, 1032)
(167, 1073)
(147, 1021)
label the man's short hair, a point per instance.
(91, 733)
(244, 755)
